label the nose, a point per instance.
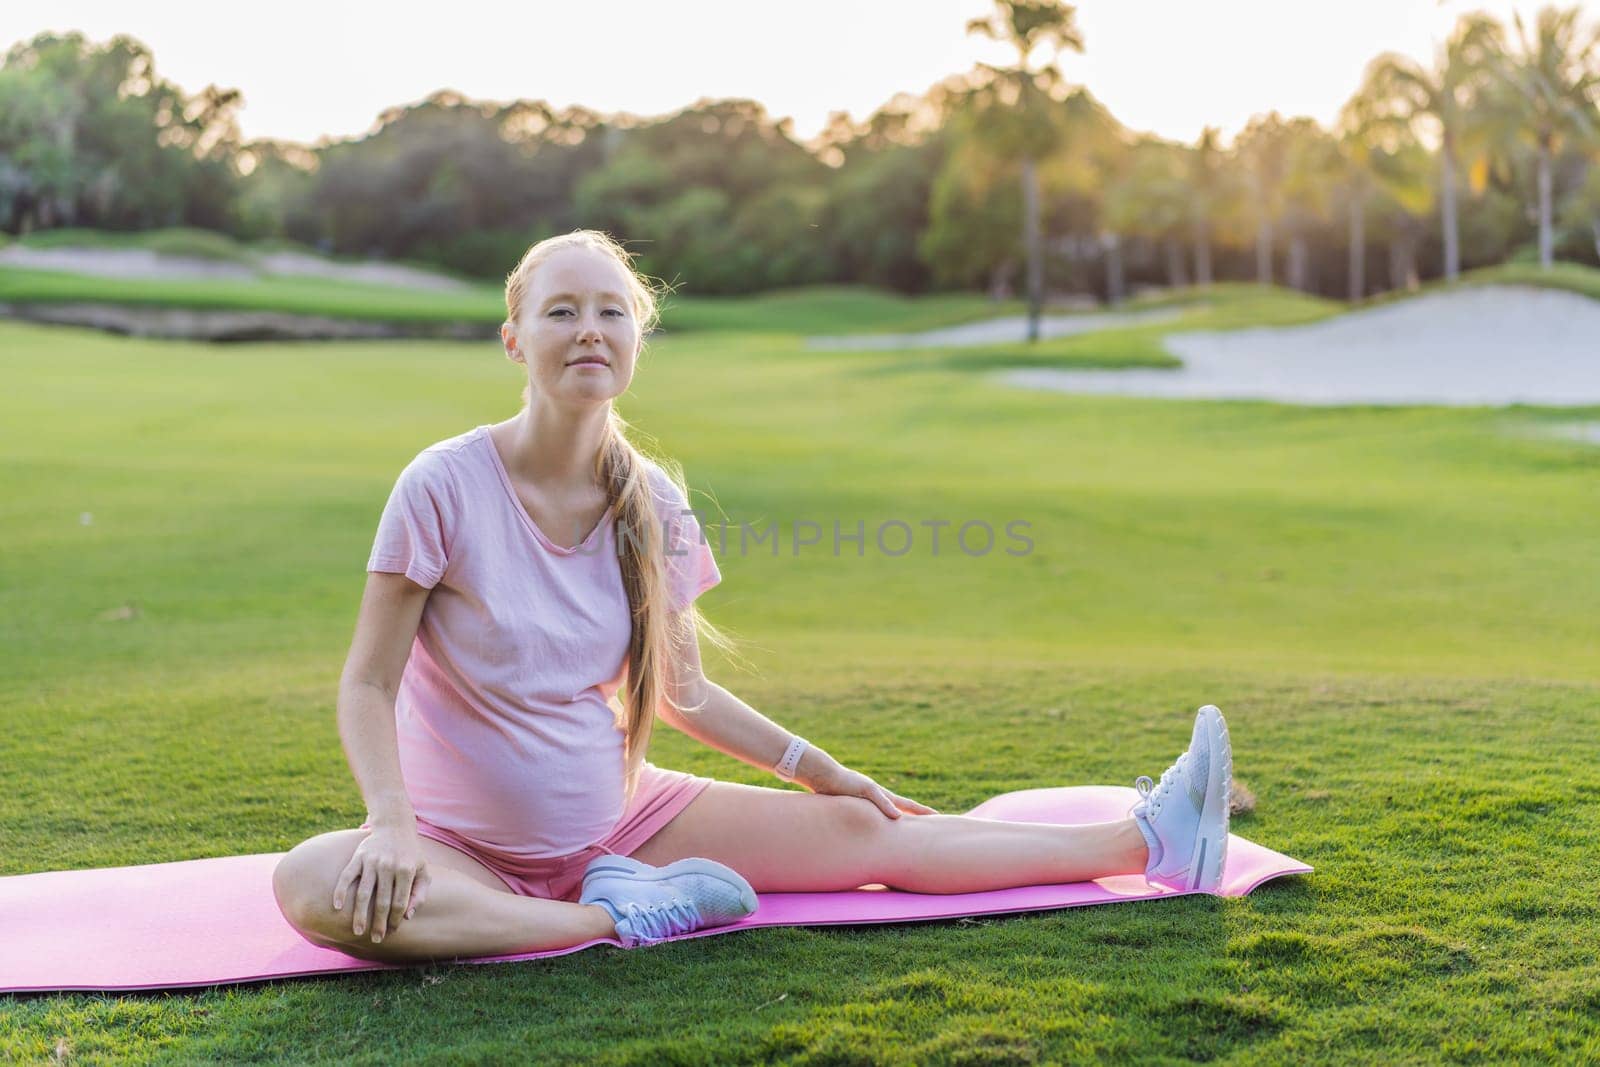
(589, 329)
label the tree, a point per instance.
(718, 194)
(1311, 159)
(1206, 184)
(877, 205)
(1405, 92)
(1149, 200)
(974, 212)
(1018, 126)
(1357, 129)
(1262, 149)
(1552, 78)
(91, 135)
(276, 182)
(461, 183)
(1406, 193)
(1582, 209)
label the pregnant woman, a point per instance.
(529, 612)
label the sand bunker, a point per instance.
(994, 331)
(1490, 345)
(142, 263)
(1587, 432)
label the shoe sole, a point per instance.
(1211, 849)
(693, 865)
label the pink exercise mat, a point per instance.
(214, 921)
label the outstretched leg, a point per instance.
(783, 841)
(469, 911)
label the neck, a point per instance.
(557, 447)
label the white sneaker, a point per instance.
(650, 904)
(1184, 817)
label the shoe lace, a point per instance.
(660, 920)
(1154, 794)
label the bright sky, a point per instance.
(329, 67)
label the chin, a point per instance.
(595, 395)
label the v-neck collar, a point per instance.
(527, 519)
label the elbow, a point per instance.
(691, 700)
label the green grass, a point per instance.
(1394, 606)
(1573, 277)
(1570, 277)
(189, 242)
(292, 295)
(832, 309)
(174, 241)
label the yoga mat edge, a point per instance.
(61, 939)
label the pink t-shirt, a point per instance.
(505, 734)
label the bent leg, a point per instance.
(783, 841)
(468, 912)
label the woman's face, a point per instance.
(576, 330)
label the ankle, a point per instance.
(1141, 843)
(602, 918)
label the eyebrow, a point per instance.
(552, 298)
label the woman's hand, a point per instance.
(832, 778)
(388, 875)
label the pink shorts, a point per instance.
(661, 795)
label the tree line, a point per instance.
(1007, 178)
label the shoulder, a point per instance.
(665, 486)
(435, 469)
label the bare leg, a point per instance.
(783, 841)
(469, 911)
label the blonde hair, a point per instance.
(622, 469)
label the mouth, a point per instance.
(592, 362)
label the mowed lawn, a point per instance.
(1395, 607)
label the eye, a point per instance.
(560, 311)
(618, 312)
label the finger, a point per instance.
(363, 899)
(382, 900)
(346, 879)
(881, 798)
(419, 891)
(907, 804)
(402, 897)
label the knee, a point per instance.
(302, 884)
(858, 819)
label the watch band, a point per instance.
(791, 759)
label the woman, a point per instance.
(524, 575)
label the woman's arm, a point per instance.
(729, 725)
(391, 609)
(388, 871)
(733, 727)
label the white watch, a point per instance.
(791, 759)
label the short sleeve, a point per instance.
(691, 565)
(414, 531)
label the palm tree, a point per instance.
(1553, 83)
(1405, 194)
(1407, 93)
(1358, 131)
(1026, 92)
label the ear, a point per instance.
(508, 340)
